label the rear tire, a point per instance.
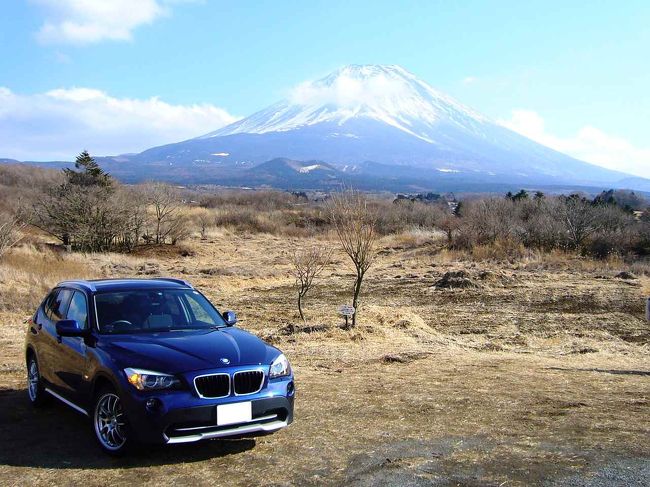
(35, 390)
(110, 423)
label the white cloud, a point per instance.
(91, 21)
(588, 144)
(346, 91)
(62, 122)
(469, 80)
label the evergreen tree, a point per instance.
(521, 195)
(88, 172)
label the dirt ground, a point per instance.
(536, 373)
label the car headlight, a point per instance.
(146, 380)
(280, 367)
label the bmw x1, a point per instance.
(153, 361)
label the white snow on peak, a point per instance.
(306, 169)
(383, 93)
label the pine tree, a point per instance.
(88, 172)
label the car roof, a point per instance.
(99, 285)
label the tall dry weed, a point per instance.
(27, 273)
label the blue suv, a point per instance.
(153, 361)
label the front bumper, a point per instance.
(182, 417)
(269, 414)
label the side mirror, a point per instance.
(230, 317)
(69, 328)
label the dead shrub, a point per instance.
(9, 232)
(307, 265)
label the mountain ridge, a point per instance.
(385, 114)
(368, 122)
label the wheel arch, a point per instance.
(103, 380)
(29, 353)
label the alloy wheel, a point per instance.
(110, 422)
(32, 380)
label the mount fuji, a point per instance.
(374, 126)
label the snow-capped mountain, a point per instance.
(386, 94)
(372, 126)
(364, 118)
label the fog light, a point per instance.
(153, 404)
(290, 389)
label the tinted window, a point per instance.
(78, 309)
(199, 311)
(57, 304)
(49, 302)
(154, 310)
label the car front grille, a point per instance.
(212, 386)
(248, 381)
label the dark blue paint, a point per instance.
(75, 366)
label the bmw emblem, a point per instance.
(225, 361)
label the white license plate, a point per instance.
(237, 412)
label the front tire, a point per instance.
(110, 423)
(35, 390)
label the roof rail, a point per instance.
(177, 281)
(79, 282)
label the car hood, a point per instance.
(185, 351)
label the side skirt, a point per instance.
(65, 401)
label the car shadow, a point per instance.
(55, 436)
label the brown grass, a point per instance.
(536, 374)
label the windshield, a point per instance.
(148, 311)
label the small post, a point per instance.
(347, 311)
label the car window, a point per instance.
(57, 304)
(136, 311)
(49, 302)
(78, 309)
(199, 310)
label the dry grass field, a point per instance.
(537, 372)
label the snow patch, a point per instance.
(306, 169)
(351, 136)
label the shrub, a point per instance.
(9, 232)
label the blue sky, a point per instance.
(123, 75)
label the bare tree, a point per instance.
(307, 265)
(206, 220)
(166, 203)
(356, 229)
(135, 219)
(580, 219)
(445, 220)
(539, 223)
(9, 232)
(87, 218)
(488, 220)
(177, 229)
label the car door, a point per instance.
(53, 310)
(42, 338)
(71, 352)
